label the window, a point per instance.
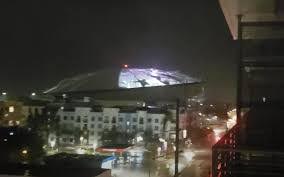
(93, 119)
(134, 127)
(106, 121)
(113, 120)
(72, 117)
(156, 120)
(92, 126)
(149, 120)
(11, 109)
(100, 126)
(78, 119)
(71, 140)
(156, 128)
(85, 120)
(64, 139)
(100, 119)
(141, 120)
(85, 126)
(92, 133)
(120, 119)
(65, 117)
(134, 119)
(36, 111)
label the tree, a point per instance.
(22, 146)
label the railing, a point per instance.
(223, 153)
(230, 159)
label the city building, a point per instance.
(11, 113)
(33, 107)
(130, 120)
(254, 146)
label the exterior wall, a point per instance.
(32, 110)
(156, 124)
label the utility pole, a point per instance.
(177, 138)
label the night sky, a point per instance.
(42, 43)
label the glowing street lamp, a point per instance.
(64, 95)
(52, 144)
(81, 139)
(139, 138)
(33, 94)
(24, 151)
(4, 93)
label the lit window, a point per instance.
(11, 109)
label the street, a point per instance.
(194, 162)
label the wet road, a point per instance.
(194, 162)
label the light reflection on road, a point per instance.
(157, 167)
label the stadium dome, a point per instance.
(125, 78)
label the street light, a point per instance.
(24, 151)
(4, 93)
(81, 139)
(33, 94)
(52, 143)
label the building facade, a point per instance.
(95, 120)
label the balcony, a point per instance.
(231, 159)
